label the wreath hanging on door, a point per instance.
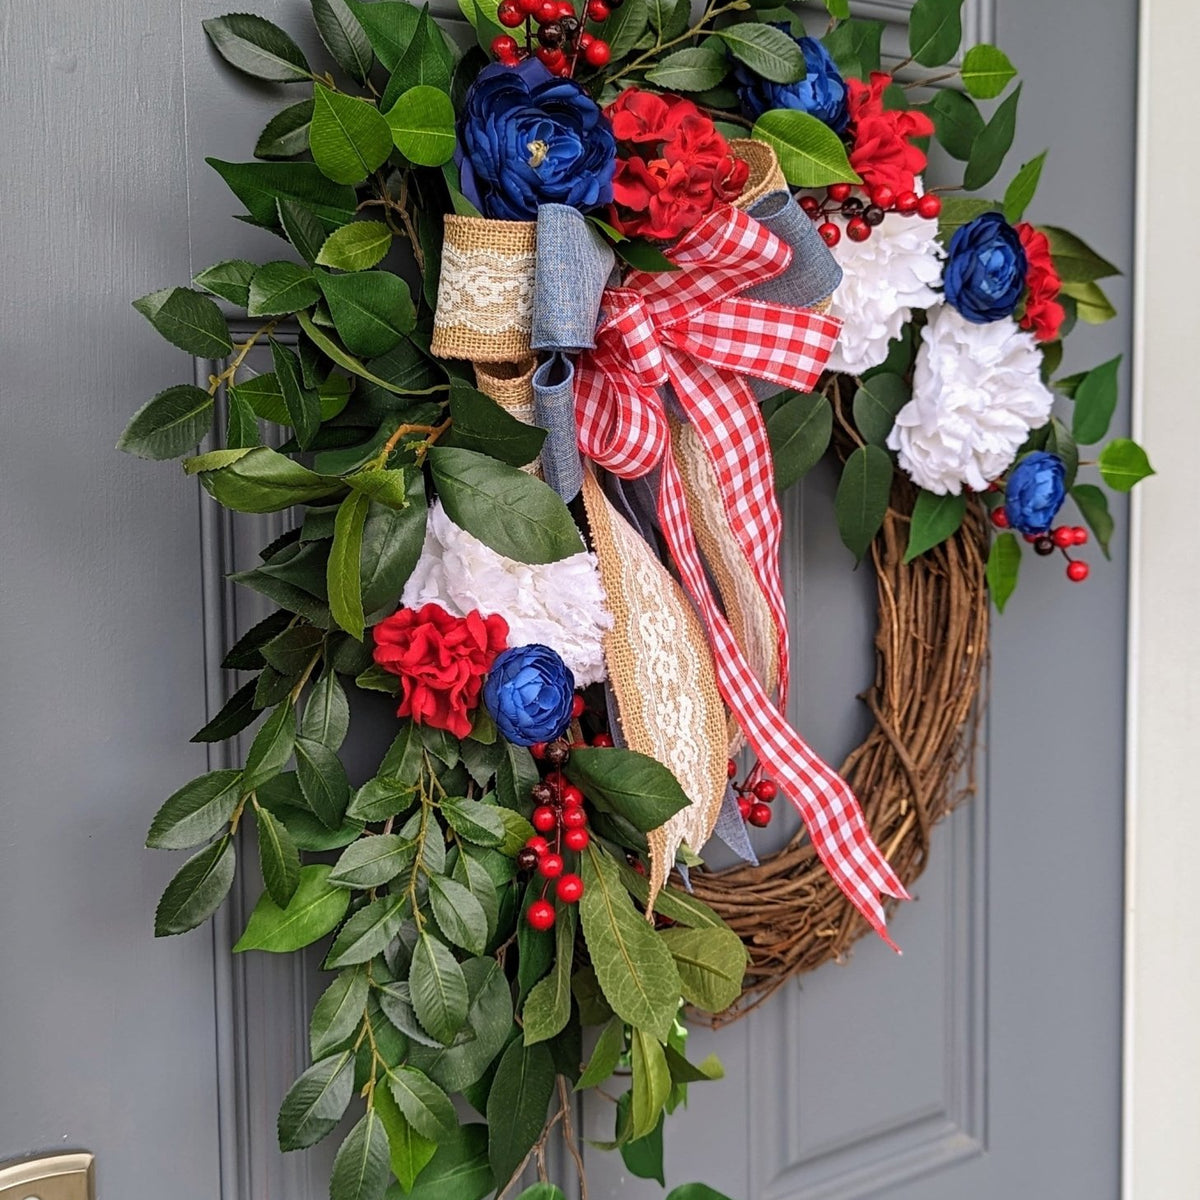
(560, 312)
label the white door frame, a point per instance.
(1161, 1124)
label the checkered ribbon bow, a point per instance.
(693, 328)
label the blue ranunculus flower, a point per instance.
(527, 137)
(1035, 491)
(985, 269)
(529, 694)
(822, 91)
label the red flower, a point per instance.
(441, 661)
(1043, 313)
(673, 166)
(882, 152)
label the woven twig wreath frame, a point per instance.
(914, 767)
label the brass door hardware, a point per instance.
(56, 1177)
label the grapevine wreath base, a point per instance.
(931, 650)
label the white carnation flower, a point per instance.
(559, 604)
(977, 392)
(883, 279)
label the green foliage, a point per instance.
(693, 69)
(855, 47)
(422, 125)
(957, 122)
(285, 135)
(1095, 402)
(1074, 259)
(799, 431)
(986, 71)
(1093, 506)
(631, 785)
(862, 497)
(517, 1105)
(348, 137)
(360, 1169)
(934, 519)
(260, 185)
(344, 38)
(198, 889)
(355, 247)
(1003, 565)
(876, 404)
(315, 1103)
(810, 153)
(188, 320)
(992, 144)
(767, 51)
(169, 425)
(1124, 463)
(1020, 191)
(934, 31)
(257, 47)
(314, 910)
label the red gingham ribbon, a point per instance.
(693, 329)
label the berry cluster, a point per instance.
(864, 215)
(1063, 538)
(754, 796)
(553, 33)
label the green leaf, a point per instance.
(957, 122)
(810, 153)
(512, 512)
(799, 432)
(1123, 463)
(643, 1156)
(389, 24)
(1003, 564)
(876, 404)
(459, 1170)
(548, 1006)
(344, 38)
(1093, 504)
(360, 1170)
(236, 713)
(229, 279)
(356, 247)
(606, 1055)
(458, 914)
(474, 821)
(188, 320)
(379, 799)
(303, 227)
(264, 395)
(854, 46)
(197, 890)
(694, 69)
(517, 831)
(695, 1191)
(1074, 259)
(409, 1152)
(992, 144)
(368, 931)
(196, 812)
(651, 1079)
(323, 781)
(349, 137)
(1060, 441)
(426, 61)
(643, 255)
(422, 126)
(427, 1108)
(271, 749)
(711, 965)
(303, 404)
(934, 519)
(338, 1012)
(624, 27)
(632, 963)
(671, 902)
(169, 425)
(1020, 192)
(934, 31)
(1095, 402)
(957, 211)
(632, 785)
(241, 428)
(261, 480)
(480, 424)
(767, 51)
(517, 1105)
(1092, 305)
(373, 861)
(277, 856)
(542, 1191)
(257, 47)
(281, 287)
(316, 1101)
(327, 714)
(285, 135)
(862, 497)
(986, 71)
(345, 585)
(438, 989)
(313, 911)
(372, 310)
(259, 185)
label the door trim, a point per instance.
(1161, 1054)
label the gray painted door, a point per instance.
(983, 1063)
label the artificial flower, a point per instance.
(822, 91)
(985, 269)
(560, 604)
(673, 165)
(527, 138)
(1043, 314)
(882, 150)
(884, 279)
(441, 660)
(529, 693)
(977, 392)
(1035, 492)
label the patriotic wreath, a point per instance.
(564, 300)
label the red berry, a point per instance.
(577, 707)
(745, 804)
(810, 205)
(603, 739)
(585, 40)
(553, 59)
(858, 230)
(529, 6)
(556, 779)
(570, 796)
(639, 867)
(765, 790)
(504, 46)
(565, 9)
(509, 14)
(538, 845)
(1031, 537)
(760, 815)
(929, 206)
(1079, 536)
(573, 818)
(1077, 571)
(830, 233)
(731, 769)
(540, 915)
(576, 839)
(1000, 517)
(538, 749)
(546, 12)
(883, 196)
(550, 865)
(569, 888)
(597, 11)
(544, 819)
(906, 202)
(1063, 536)
(597, 53)
(838, 191)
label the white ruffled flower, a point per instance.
(883, 279)
(977, 392)
(559, 604)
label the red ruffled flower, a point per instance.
(882, 152)
(673, 166)
(441, 660)
(1043, 313)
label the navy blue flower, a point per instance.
(985, 269)
(1036, 488)
(822, 91)
(529, 694)
(526, 138)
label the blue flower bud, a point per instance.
(529, 694)
(1035, 492)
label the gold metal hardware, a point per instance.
(57, 1177)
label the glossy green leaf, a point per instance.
(957, 122)
(344, 581)
(408, 1152)
(957, 211)
(188, 320)
(547, 1008)
(344, 38)
(934, 31)
(855, 46)
(323, 781)
(422, 124)
(810, 153)
(986, 71)
(427, 61)
(389, 25)
(368, 931)
(1091, 303)
(356, 247)
(169, 425)
(260, 185)
(313, 911)
(694, 69)
(643, 1157)
(992, 144)
(229, 279)
(197, 890)
(862, 497)
(271, 749)
(373, 861)
(1003, 566)
(241, 423)
(303, 405)
(372, 310)
(934, 519)
(770, 53)
(799, 432)
(348, 137)
(1021, 190)
(459, 1170)
(458, 914)
(1093, 505)
(480, 424)
(632, 785)
(876, 404)
(671, 902)
(438, 989)
(302, 226)
(261, 480)
(234, 715)
(285, 135)
(257, 47)
(427, 1108)
(361, 1167)
(1095, 402)
(651, 1079)
(316, 1101)
(1123, 463)
(196, 812)
(624, 28)
(606, 1055)
(379, 799)
(278, 857)
(711, 965)
(281, 287)
(474, 821)
(1074, 259)
(327, 713)
(338, 1012)
(695, 1191)
(517, 1106)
